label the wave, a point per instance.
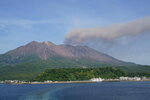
(46, 94)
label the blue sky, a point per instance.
(22, 21)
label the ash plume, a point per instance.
(108, 33)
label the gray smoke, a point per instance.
(108, 33)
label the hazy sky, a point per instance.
(22, 21)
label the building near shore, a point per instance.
(96, 79)
(131, 78)
(48, 81)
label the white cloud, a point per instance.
(29, 23)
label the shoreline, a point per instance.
(86, 81)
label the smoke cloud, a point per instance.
(108, 33)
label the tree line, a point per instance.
(77, 74)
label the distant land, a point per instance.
(48, 50)
(28, 61)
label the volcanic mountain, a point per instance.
(28, 61)
(48, 50)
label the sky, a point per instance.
(23, 21)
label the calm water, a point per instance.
(88, 91)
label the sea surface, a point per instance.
(76, 91)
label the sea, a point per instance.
(77, 91)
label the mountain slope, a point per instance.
(46, 50)
(26, 62)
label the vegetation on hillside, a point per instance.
(29, 70)
(77, 74)
(138, 74)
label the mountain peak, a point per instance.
(48, 43)
(45, 43)
(33, 43)
(45, 50)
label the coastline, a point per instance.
(57, 82)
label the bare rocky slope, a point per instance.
(46, 50)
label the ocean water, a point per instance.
(86, 91)
(106, 91)
(24, 91)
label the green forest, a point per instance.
(77, 74)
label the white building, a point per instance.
(96, 79)
(48, 81)
(130, 78)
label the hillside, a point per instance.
(78, 74)
(46, 50)
(26, 62)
